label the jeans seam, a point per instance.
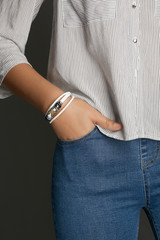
(144, 185)
(147, 191)
(154, 155)
(153, 160)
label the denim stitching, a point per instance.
(147, 197)
(153, 157)
(142, 170)
(153, 160)
(147, 190)
(78, 140)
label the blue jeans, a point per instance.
(100, 184)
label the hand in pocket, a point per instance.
(78, 119)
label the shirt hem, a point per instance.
(129, 138)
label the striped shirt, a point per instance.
(106, 52)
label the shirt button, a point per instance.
(135, 40)
(133, 4)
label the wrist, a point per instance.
(62, 107)
(50, 99)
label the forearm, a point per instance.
(28, 84)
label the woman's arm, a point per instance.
(16, 17)
(15, 70)
(28, 84)
(25, 82)
(19, 76)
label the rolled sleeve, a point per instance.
(15, 24)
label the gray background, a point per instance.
(26, 150)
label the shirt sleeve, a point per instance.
(16, 17)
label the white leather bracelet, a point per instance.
(56, 105)
(62, 110)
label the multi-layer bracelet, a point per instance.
(56, 105)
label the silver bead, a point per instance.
(55, 109)
(49, 116)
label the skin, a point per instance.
(78, 119)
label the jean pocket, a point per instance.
(157, 9)
(77, 140)
(80, 12)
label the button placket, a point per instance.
(134, 4)
(134, 39)
(135, 47)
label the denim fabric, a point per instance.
(100, 184)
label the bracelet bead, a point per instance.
(55, 106)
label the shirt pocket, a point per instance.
(77, 13)
(157, 8)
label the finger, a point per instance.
(105, 122)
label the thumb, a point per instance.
(105, 122)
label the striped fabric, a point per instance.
(106, 52)
(78, 12)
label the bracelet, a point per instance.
(62, 110)
(56, 105)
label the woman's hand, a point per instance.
(78, 119)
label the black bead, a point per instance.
(58, 105)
